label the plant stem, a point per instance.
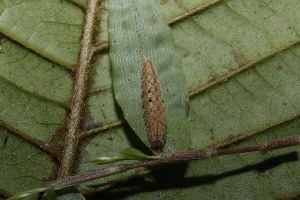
(79, 92)
(175, 157)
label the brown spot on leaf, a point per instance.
(279, 68)
(212, 134)
(237, 56)
(88, 121)
(163, 2)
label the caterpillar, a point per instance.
(153, 106)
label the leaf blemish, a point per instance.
(153, 106)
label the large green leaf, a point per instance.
(144, 35)
(240, 59)
(22, 164)
(274, 175)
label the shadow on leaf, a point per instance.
(173, 178)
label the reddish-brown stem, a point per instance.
(175, 157)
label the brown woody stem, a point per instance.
(79, 93)
(175, 157)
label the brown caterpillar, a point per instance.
(153, 106)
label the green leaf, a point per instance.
(52, 28)
(126, 154)
(67, 194)
(28, 193)
(22, 164)
(134, 154)
(241, 63)
(21, 90)
(143, 34)
(249, 176)
(18, 67)
(105, 160)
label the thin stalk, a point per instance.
(175, 157)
